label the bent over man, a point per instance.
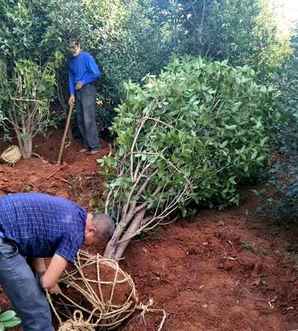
(35, 226)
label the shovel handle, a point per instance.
(65, 134)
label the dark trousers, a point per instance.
(86, 116)
(23, 289)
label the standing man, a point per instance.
(83, 72)
(34, 226)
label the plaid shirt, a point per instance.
(42, 225)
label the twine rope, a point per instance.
(104, 313)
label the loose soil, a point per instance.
(221, 270)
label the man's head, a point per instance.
(99, 229)
(75, 46)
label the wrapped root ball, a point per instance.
(102, 288)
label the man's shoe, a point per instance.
(93, 151)
(83, 150)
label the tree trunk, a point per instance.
(111, 248)
(129, 234)
(26, 147)
(118, 243)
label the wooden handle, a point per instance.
(65, 134)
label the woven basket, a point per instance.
(11, 155)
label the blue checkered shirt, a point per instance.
(42, 225)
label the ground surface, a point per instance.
(228, 270)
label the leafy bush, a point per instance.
(283, 176)
(192, 134)
(26, 96)
(133, 38)
(245, 33)
(287, 82)
(125, 38)
(241, 32)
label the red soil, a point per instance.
(227, 270)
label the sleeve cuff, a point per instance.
(67, 257)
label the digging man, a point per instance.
(83, 72)
(34, 226)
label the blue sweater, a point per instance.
(82, 68)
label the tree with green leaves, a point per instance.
(28, 69)
(189, 136)
(127, 39)
(27, 95)
(242, 32)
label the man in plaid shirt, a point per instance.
(35, 226)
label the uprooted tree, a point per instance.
(189, 136)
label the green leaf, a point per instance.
(2, 327)
(7, 315)
(12, 323)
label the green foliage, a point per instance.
(8, 319)
(242, 32)
(125, 38)
(29, 63)
(192, 134)
(23, 30)
(283, 176)
(287, 82)
(26, 96)
(2, 99)
(135, 38)
(132, 39)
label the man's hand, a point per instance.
(79, 85)
(71, 100)
(50, 278)
(55, 290)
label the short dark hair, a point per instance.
(75, 40)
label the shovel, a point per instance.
(65, 134)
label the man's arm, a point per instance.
(71, 83)
(93, 72)
(39, 265)
(50, 278)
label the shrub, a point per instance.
(26, 96)
(192, 134)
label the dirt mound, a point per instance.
(221, 271)
(75, 179)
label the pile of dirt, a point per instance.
(76, 178)
(219, 271)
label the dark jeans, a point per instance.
(23, 289)
(86, 116)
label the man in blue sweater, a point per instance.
(83, 72)
(34, 226)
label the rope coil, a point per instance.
(77, 323)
